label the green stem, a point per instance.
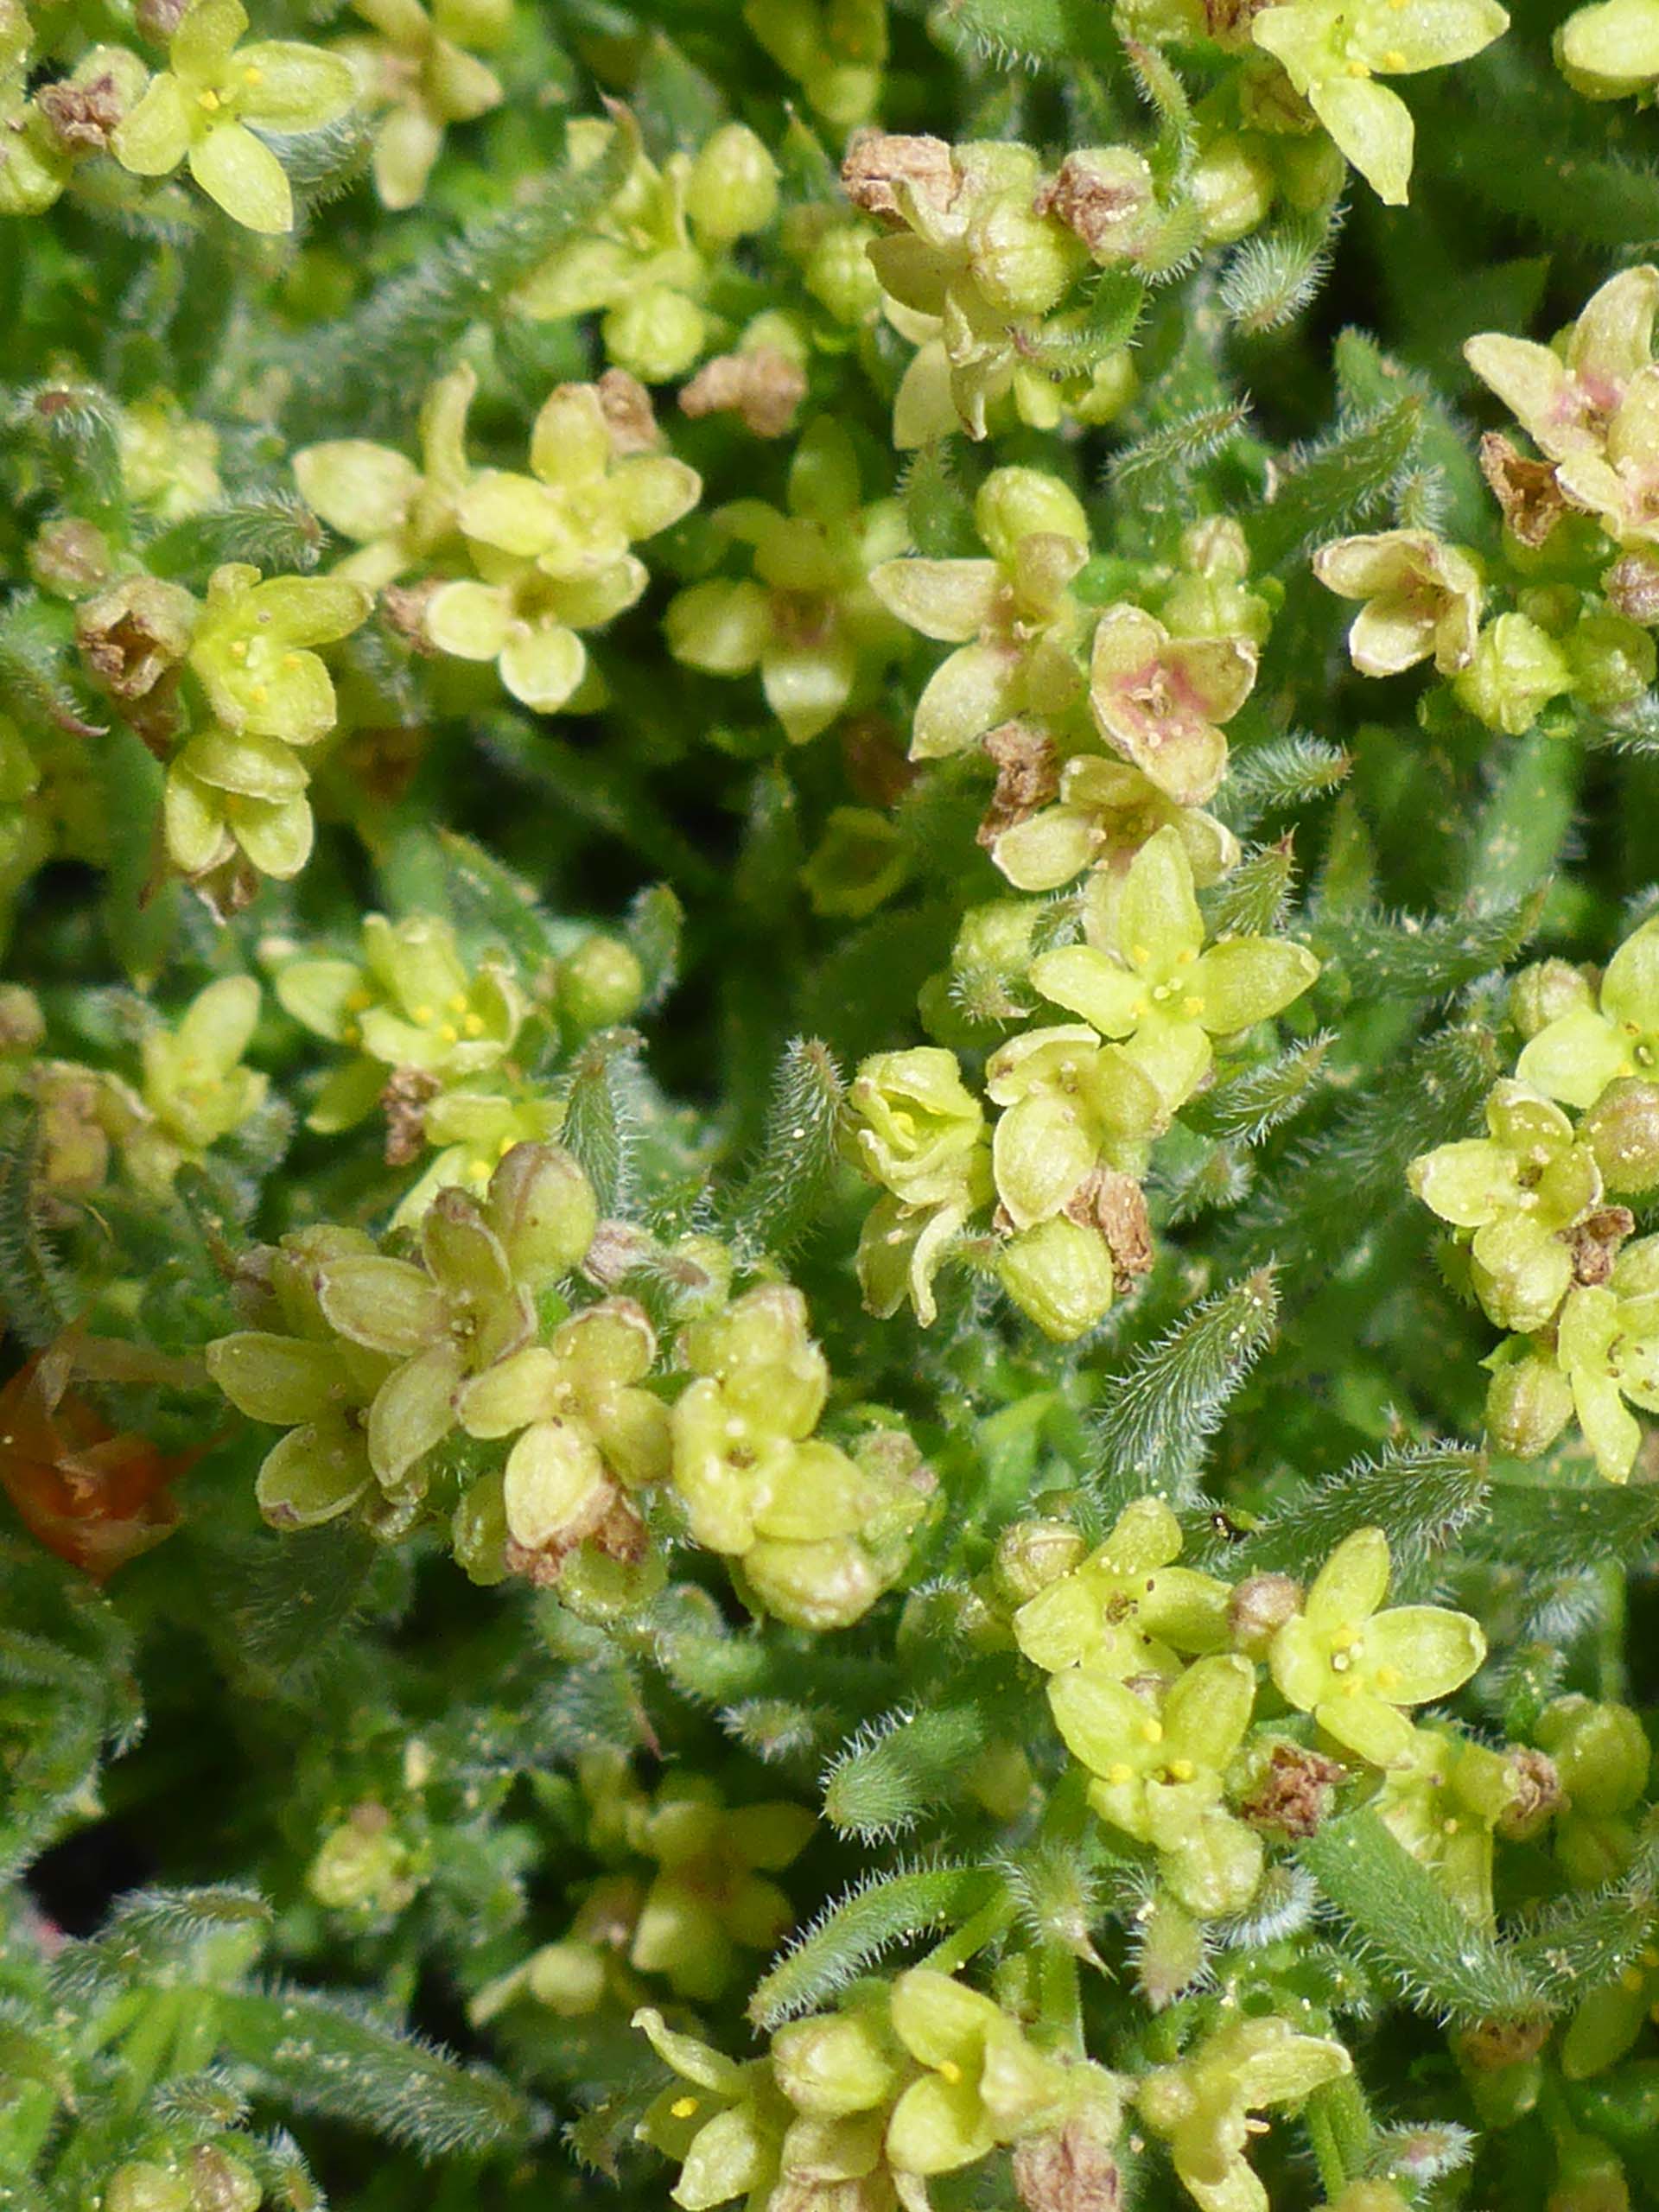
(991, 1921)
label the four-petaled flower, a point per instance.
(724, 2130)
(1012, 618)
(710, 1896)
(1421, 596)
(1353, 1666)
(552, 548)
(1157, 987)
(397, 514)
(1576, 1057)
(420, 73)
(1517, 1190)
(199, 111)
(1333, 51)
(983, 2083)
(1071, 1105)
(808, 617)
(1160, 700)
(1607, 1346)
(1443, 1799)
(1201, 2105)
(1126, 1608)
(1105, 812)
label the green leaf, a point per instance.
(601, 1114)
(1252, 900)
(781, 1198)
(1339, 482)
(490, 902)
(1159, 1412)
(1272, 779)
(900, 1768)
(1569, 1530)
(653, 929)
(1439, 1961)
(1247, 1107)
(1420, 1498)
(852, 1934)
(1432, 957)
(321, 2056)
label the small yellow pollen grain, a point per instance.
(1185, 956)
(239, 649)
(1192, 1007)
(683, 2108)
(1351, 1689)
(951, 2071)
(207, 98)
(1181, 1769)
(473, 1024)
(1344, 1639)
(1118, 1774)
(1388, 1678)
(1151, 1731)
(423, 1013)
(457, 1001)
(1139, 954)
(259, 694)
(449, 1033)
(1359, 68)
(1394, 59)
(252, 75)
(290, 660)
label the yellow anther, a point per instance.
(253, 76)
(1181, 1769)
(1394, 59)
(458, 1002)
(479, 1171)
(423, 1013)
(683, 2108)
(1344, 1639)
(259, 694)
(449, 1033)
(1388, 1678)
(207, 98)
(1192, 1007)
(1118, 1774)
(1139, 954)
(951, 2071)
(1185, 956)
(473, 1024)
(290, 660)
(1359, 68)
(1151, 1731)
(239, 649)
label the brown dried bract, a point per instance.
(1293, 1796)
(1632, 588)
(1115, 1204)
(1538, 1794)
(405, 1098)
(83, 117)
(613, 1527)
(625, 404)
(1072, 2172)
(404, 608)
(1490, 2045)
(877, 161)
(764, 387)
(1532, 500)
(134, 634)
(1595, 1240)
(1027, 777)
(1094, 202)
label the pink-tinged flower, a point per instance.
(1160, 700)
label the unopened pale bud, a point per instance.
(1259, 1608)
(733, 189)
(142, 2185)
(1060, 1275)
(1033, 1553)
(1528, 1403)
(1601, 1753)
(1014, 504)
(1517, 669)
(1022, 263)
(1546, 990)
(843, 2063)
(655, 335)
(1622, 1129)
(69, 557)
(601, 983)
(220, 2181)
(1233, 187)
(543, 1208)
(1612, 659)
(568, 1978)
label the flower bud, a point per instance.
(733, 189)
(1217, 549)
(220, 2181)
(835, 2065)
(361, 1863)
(1022, 263)
(1370, 2197)
(141, 2185)
(1601, 1753)
(1105, 196)
(1528, 1402)
(1073, 2170)
(1610, 51)
(839, 275)
(600, 984)
(1545, 991)
(543, 1208)
(568, 1978)
(1631, 586)
(656, 334)
(23, 1026)
(1622, 1129)
(1014, 504)
(1259, 1608)
(1612, 660)
(1031, 1555)
(1517, 669)
(1233, 187)
(69, 557)
(1591, 2178)
(1060, 1275)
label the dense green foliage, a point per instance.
(829, 1105)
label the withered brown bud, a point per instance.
(1489, 2045)
(404, 608)
(1115, 1204)
(1293, 1796)
(1102, 195)
(877, 161)
(1259, 1608)
(625, 404)
(83, 117)
(763, 387)
(159, 19)
(1071, 2171)
(1527, 490)
(408, 1093)
(1594, 1243)
(1028, 776)
(1538, 1794)
(134, 633)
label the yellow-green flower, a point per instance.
(1201, 2105)
(710, 1899)
(1576, 1056)
(1607, 1346)
(552, 548)
(983, 2082)
(1333, 52)
(421, 74)
(1353, 1666)
(1128, 1608)
(1157, 987)
(1422, 598)
(199, 108)
(400, 515)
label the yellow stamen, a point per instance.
(1151, 1731)
(449, 1033)
(1119, 1774)
(951, 2071)
(473, 1024)
(208, 98)
(424, 1014)
(683, 2108)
